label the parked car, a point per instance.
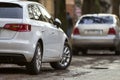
(30, 36)
(96, 31)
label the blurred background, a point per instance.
(76, 8)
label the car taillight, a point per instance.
(111, 31)
(76, 31)
(18, 27)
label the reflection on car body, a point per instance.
(30, 36)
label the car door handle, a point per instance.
(53, 32)
(43, 30)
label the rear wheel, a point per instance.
(75, 52)
(117, 52)
(66, 59)
(84, 51)
(34, 66)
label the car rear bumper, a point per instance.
(94, 42)
(16, 49)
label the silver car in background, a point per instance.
(29, 36)
(96, 31)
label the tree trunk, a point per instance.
(60, 12)
(115, 9)
(90, 6)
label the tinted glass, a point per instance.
(8, 10)
(97, 20)
(47, 16)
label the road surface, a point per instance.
(97, 65)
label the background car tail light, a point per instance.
(111, 31)
(76, 31)
(18, 27)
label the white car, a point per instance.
(29, 36)
(96, 31)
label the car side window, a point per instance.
(46, 15)
(34, 13)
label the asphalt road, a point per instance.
(97, 65)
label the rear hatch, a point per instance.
(10, 13)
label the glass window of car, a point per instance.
(10, 10)
(96, 20)
(46, 15)
(34, 12)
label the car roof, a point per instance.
(100, 14)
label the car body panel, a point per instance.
(24, 43)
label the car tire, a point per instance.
(66, 59)
(84, 51)
(117, 52)
(75, 52)
(34, 66)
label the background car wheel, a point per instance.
(117, 52)
(75, 52)
(66, 59)
(84, 51)
(34, 66)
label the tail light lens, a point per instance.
(111, 31)
(18, 27)
(76, 31)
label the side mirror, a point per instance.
(57, 22)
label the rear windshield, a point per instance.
(96, 20)
(10, 10)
